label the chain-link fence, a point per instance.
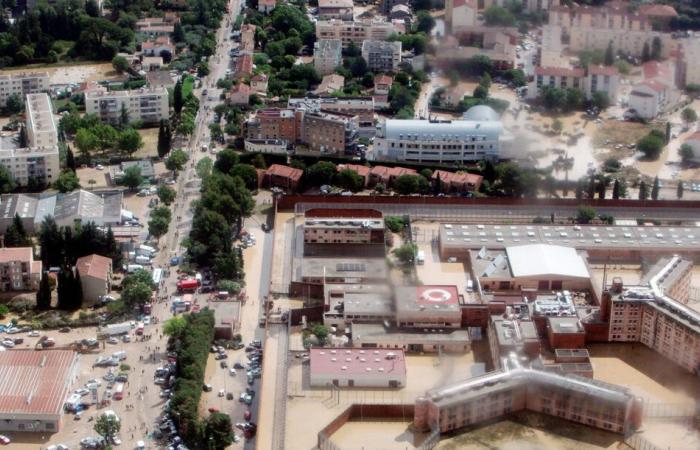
(637, 442)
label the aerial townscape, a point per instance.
(349, 224)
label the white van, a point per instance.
(131, 268)
(119, 356)
(470, 285)
(420, 257)
(142, 260)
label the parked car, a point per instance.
(4, 440)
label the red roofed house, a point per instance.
(657, 93)
(382, 86)
(34, 388)
(95, 276)
(361, 170)
(284, 177)
(258, 84)
(694, 141)
(354, 367)
(18, 270)
(659, 15)
(239, 95)
(157, 46)
(266, 6)
(457, 182)
(244, 66)
(387, 175)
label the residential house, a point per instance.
(247, 38)
(335, 9)
(460, 15)
(151, 63)
(329, 84)
(387, 175)
(18, 270)
(283, 177)
(239, 95)
(156, 47)
(382, 56)
(362, 171)
(160, 79)
(258, 84)
(401, 13)
(657, 93)
(95, 276)
(327, 55)
(457, 182)
(382, 86)
(266, 6)
(388, 5)
(243, 66)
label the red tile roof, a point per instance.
(398, 171)
(34, 382)
(23, 254)
(559, 72)
(458, 177)
(654, 85)
(354, 361)
(469, 3)
(279, 170)
(95, 266)
(657, 10)
(655, 69)
(602, 70)
(383, 79)
(694, 137)
(361, 170)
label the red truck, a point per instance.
(187, 285)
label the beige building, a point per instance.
(39, 162)
(146, 105)
(18, 270)
(327, 55)
(594, 79)
(329, 132)
(382, 56)
(22, 84)
(428, 306)
(497, 394)
(356, 31)
(344, 230)
(508, 334)
(335, 9)
(345, 367)
(95, 276)
(460, 15)
(362, 107)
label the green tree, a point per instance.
(485, 81)
(203, 167)
(178, 101)
(259, 162)
(499, 16)
(136, 294)
(609, 55)
(679, 190)
(247, 173)
(7, 181)
(70, 159)
(585, 214)
(689, 115)
(349, 179)
(43, 295)
(164, 139)
(166, 194)
(178, 33)
(225, 160)
(616, 190)
(516, 76)
(16, 235)
(217, 431)
(406, 184)
(573, 99)
(157, 226)
(557, 126)
(132, 177)
(480, 92)
(656, 48)
(130, 141)
(14, 104)
(686, 153)
(67, 181)
(650, 145)
(655, 189)
(643, 190)
(406, 254)
(646, 52)
(320, 173)
(175, 326)
(321, 332)
(229, 286)
(394, 223)
(424, 22)
(120, 64)
(601, 100)
(552, 97)
(107, 426)
(176, 161)
(86, 141)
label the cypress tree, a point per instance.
(70, 159)
(643, 191)
(655, 189)
(43, 295)
(616, 190)
(177, 97)
(679, 190)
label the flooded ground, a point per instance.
(73, 73)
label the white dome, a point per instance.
(481, 113)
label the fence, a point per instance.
(670, 411)
(637, 442)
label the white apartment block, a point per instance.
(597, 78)
(147, 105)
(475, 138)
(22, 84)
(691, 60)
(382, 56)
(40, 161)
(357, 31)
(626, 41)
(327, 55)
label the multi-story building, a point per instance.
(689, 61)
(18, 270)
(382, 56)
(327, 55)
(335, 9)
(275, 123)
(248, 38)
(362, 107)
(339, 231)
(388, 5)
(146, 105)
(496, 394)
(22, 84)
(595, 79)
(459, 141)
(95, 276)
(357, 368)
(39, 162)
(460, 15)
(508, 334)
(496, 43)
(357, 31)
(330, 132)
(673, 276)
(427, 306)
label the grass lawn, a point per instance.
(187, 86)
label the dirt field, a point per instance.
(385, 435)
(530, 431)
(72, 73)
(150, 143)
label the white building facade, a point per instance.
(22, 84)
(146, 105)
(327, 55)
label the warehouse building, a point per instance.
(33, 388)
(345, 367)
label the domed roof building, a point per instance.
(481, 113)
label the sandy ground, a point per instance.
(377, 435)
(647, 373)
(281, 263)
(150, 143)
(73, 73)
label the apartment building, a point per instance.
(596, 78)
(362, 107)
(587, 28)
(673, 277)
(689, 61)
(474, 138)
(327, 55)
(335, 229)
(18, 270)
(148, 105)
(388, 5)
(39, 162)
(22, 84)
(357, 31)
(275, 123)
(497, 44)
(336, 9)
(333, 133)
(382, 56)
(496, 394)
(460, 15)
(247, 38)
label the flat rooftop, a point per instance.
(668, 274)
(374, 268)
(347, 361)
(458, 236)
(378, 332)
(427, 298)
(360, 300)
(565, 325)
(559, 304)
(34, 382)
(342, 222)
(513, 332)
